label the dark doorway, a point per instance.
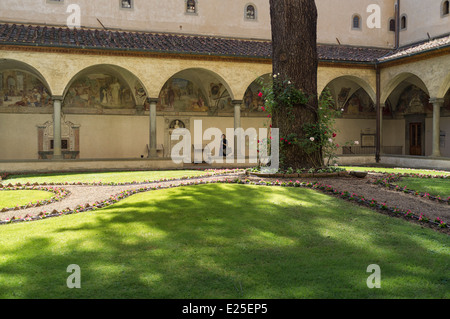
(415, 138)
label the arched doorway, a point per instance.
(407, 115)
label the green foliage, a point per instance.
(281, 95)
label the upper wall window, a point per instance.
(392, 25)
(356, 22)
(445, 8)
(191, 6)
(403, 22)
(126, 4)
(250, 12)
(55, 1)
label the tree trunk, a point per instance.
(294, 56)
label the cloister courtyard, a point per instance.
(226, 233)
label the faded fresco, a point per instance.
(413, 101)
(252, 101)
(181, 95)
(22, 89)
(359, 103)
(100, 91)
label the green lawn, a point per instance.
(11, 198)
(396, 170)
(224, 241)
(105, 177)
(432, 186)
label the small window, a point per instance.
(403, 22)
(64, 144)
(356, 22)
(55, 1)
(191, 6)
(250, 12)
(445, 8)
(392, 25)
(126, 4)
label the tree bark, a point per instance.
(294, 56)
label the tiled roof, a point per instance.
(132, 41)
(416, 48)
(350, 53)
(47, 36)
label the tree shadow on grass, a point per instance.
(227, 241)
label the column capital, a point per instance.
(152, 100)
(57, 98)
(435, 100)
(239, 102)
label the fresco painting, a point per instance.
(182, 95)
(413, 101)
(359, 103)
(100, 91)
(22, 89)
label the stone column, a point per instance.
(382, 105)
(437, 104)
(152, 136)
(237, 123)
(57, 152)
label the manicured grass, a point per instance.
(11, 198)
(224, 241)
(396, 170)
(105, 177)
(433, 186)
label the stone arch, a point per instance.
(342, 88)
(210, 89)
(134, 89)
(397, 80)
(444, 87)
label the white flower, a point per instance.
(289, 82)
(330, 140)
(356, 142)
(312, 139)
(342, 110)
(274, 75)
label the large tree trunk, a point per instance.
(294, 55)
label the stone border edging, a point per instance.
(60, 194)
(387, 182)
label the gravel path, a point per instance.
(88, 194)
(365, 187)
